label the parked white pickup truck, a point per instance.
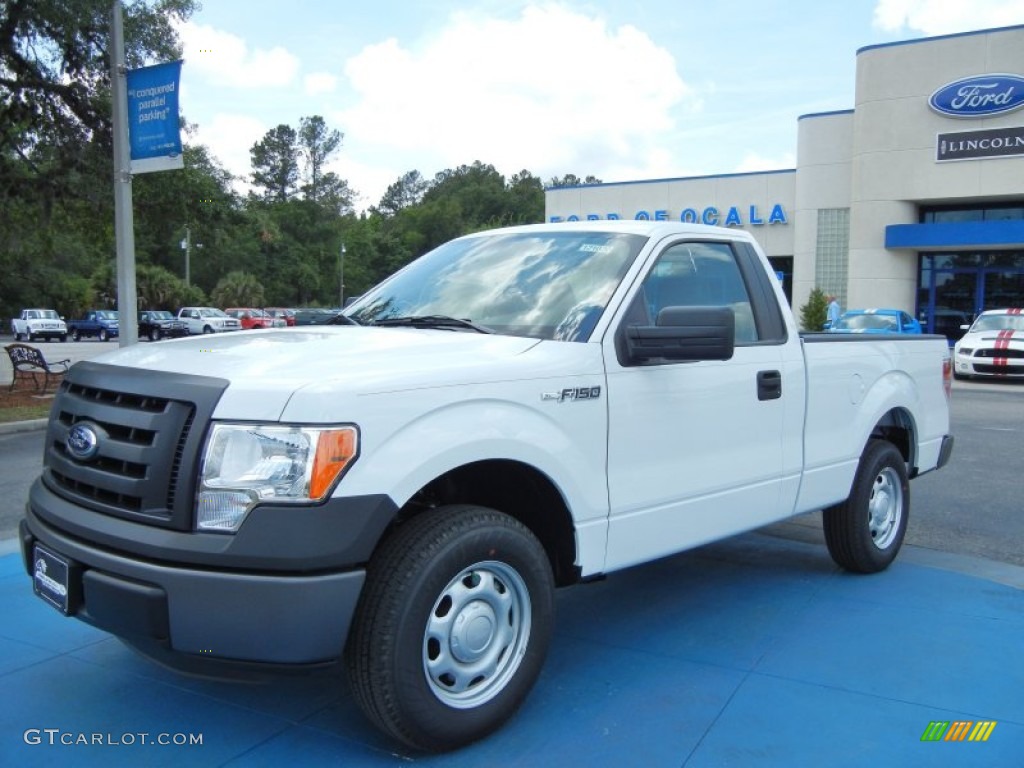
(517, 410)
(208, 320)
(34, 324)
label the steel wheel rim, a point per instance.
(476, 634)
(885, 508)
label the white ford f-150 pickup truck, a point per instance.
(515, 411)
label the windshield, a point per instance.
(868, 323)
(1005, 322)
(107, 314)
(546, 285)
(209, 312)
(162, 314)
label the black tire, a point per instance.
(104, 336)
(864, 533)
(31, 338)
(154, 334)
(63, 338)
(76, 335)
(426, 658)
(207, 329)
(19, 336)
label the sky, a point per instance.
(621, 90)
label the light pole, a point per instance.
(341, 277)
(186, 246)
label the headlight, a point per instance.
(245, 464)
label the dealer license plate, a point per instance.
(50, 577)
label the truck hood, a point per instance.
(266, 368)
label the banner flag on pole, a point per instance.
(153, 126)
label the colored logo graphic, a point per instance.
(958, 730)
(979, 96)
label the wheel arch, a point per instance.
(514, 488)
(897, 426)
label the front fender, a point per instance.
(565, 442)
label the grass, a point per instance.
(24, 403)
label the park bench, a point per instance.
(28, 361)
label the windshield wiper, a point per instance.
(340, 319)
(433, 321)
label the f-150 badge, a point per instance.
(573, 393)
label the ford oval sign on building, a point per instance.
(979, 96)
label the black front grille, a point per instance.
(150, 428)
(1016, 370)
(1014, 354)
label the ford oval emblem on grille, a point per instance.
(83, 443)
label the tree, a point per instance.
(401, 194)
(238, 289)
(55, 83)
(572, 180)
(526, 199)
(275, 163)
(317, 143)
(814, 313)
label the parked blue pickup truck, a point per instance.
(101, 323)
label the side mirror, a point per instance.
(684, 334)
(965, 327)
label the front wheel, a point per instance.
(154, 334)
(207, 329)
(864, 533)
(104, 336)
(76, 335)
(452, 628)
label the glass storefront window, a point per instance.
(954, 287)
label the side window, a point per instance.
(700, 275)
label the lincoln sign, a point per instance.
(974, 145)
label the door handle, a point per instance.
(769, 385)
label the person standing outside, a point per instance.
(833, 311)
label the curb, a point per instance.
(13, 427)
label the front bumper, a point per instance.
(228, 616)
(1008, 364)
(202, 608)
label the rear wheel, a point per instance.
(864, 533)
(452, 627)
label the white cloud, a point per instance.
(319, 82)
(229, 138)
(940, 17)
(224, 59)
(551, 91)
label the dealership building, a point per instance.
(913, 199)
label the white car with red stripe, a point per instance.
(993, 346)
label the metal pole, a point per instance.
(341, 277)
(188, 252)
(124, 225)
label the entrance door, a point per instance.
(955, 287)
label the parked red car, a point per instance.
(252, 318)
